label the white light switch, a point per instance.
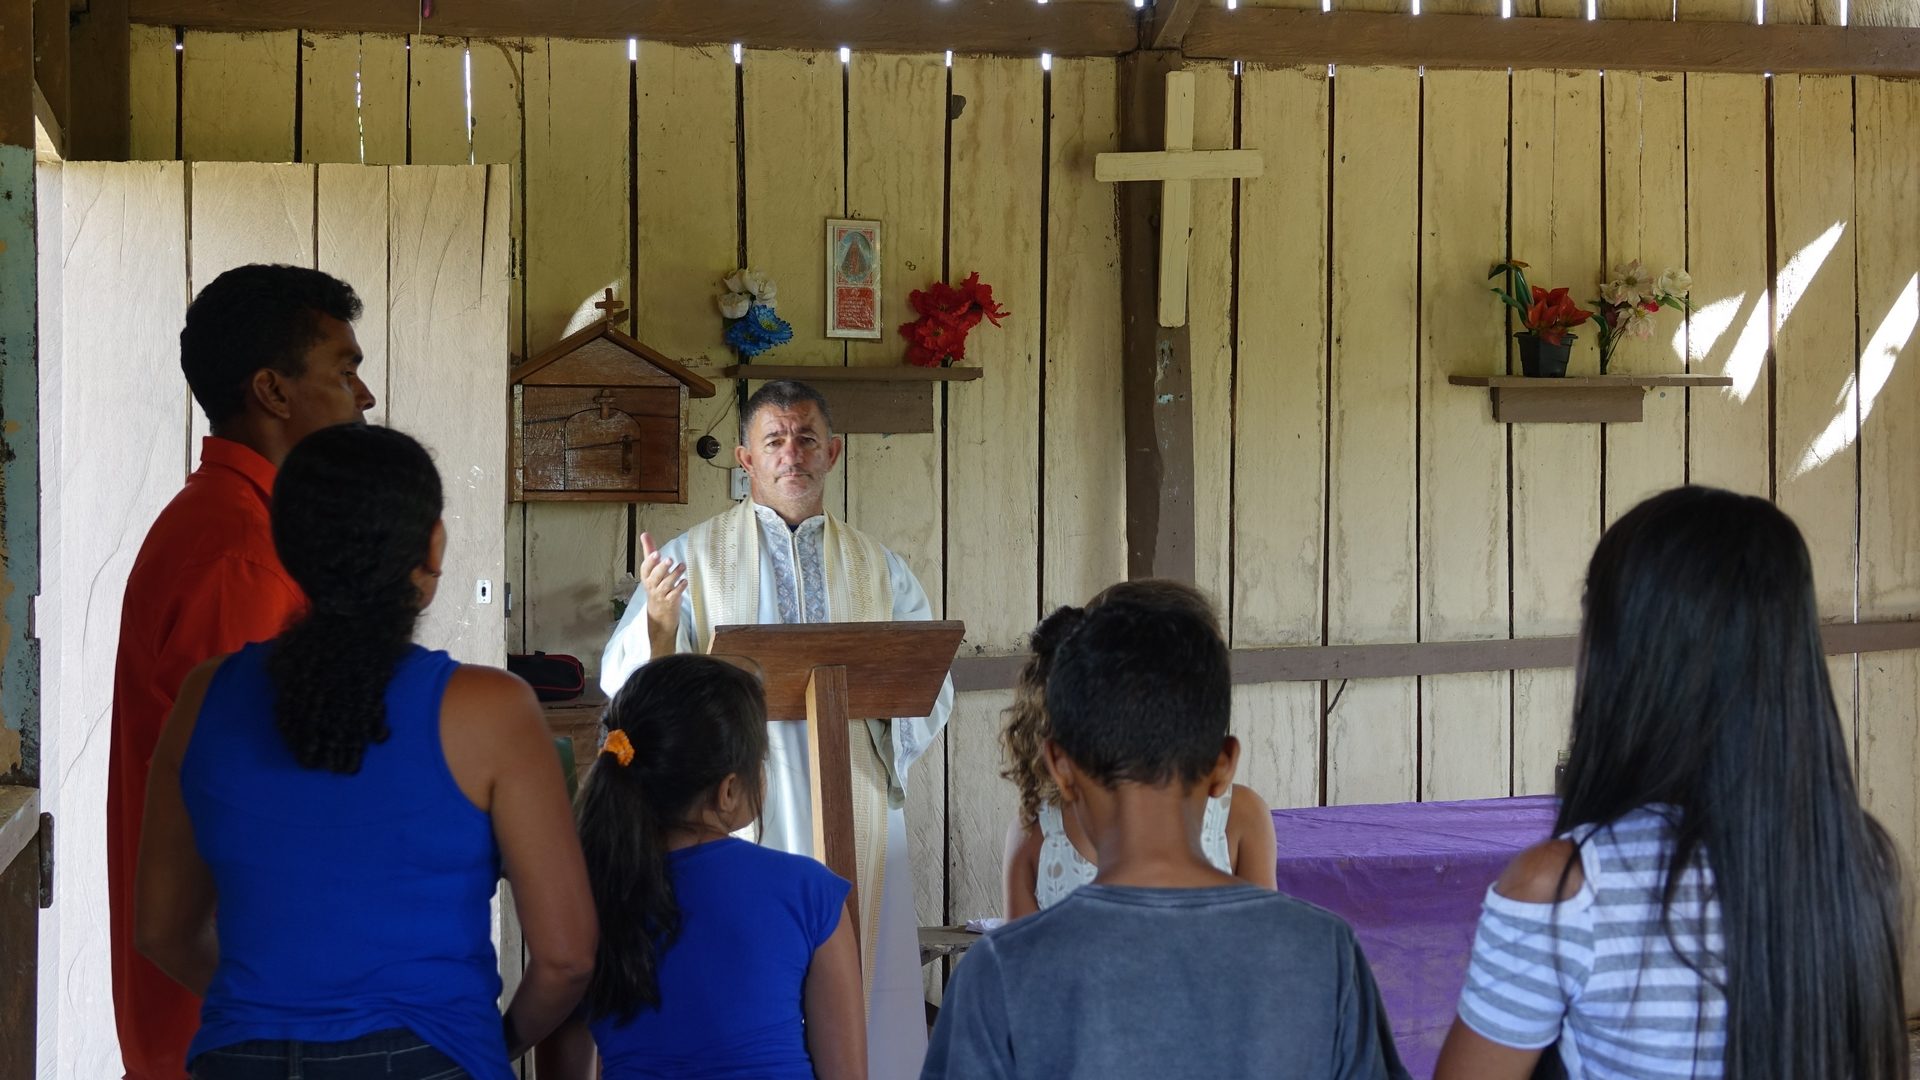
(483, 591)
(742, 487)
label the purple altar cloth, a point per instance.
(1409, 877)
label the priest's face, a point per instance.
(788, 454)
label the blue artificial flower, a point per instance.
(759, 330)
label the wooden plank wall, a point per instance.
(428, 251)
(1346, 492)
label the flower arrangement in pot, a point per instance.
(1629, 300)
(1549, 316)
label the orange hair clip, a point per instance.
(617, 744)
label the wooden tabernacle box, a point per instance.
(599, 418)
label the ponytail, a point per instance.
(690, 721)
(625, 842)
(354, 510)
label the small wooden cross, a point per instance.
(1176, 168)
(611, 309)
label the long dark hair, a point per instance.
(1702, 686)
(353, 514)
(692, 721)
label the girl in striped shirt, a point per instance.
(1715, 902)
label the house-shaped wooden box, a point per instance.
(598, 418)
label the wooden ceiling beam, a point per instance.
(1019, 27)
(1171, 20)
(1282, 37)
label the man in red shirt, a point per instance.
(270, 355)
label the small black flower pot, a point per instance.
(1540, 359)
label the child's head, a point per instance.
(687, 739)
(1026, 729)
(1141, 694)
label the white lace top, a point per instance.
(1062, 870)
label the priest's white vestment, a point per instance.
(793, 586)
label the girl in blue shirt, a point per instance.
(718, 958)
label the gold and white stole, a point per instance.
(726, 592)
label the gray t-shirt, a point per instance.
(1116, 982)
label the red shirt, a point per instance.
(206, 582)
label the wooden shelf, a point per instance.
(1576, 399)
(888, 399)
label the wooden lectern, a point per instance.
(828, 675)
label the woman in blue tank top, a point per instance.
(347, 799)
(718, 958)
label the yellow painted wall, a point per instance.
(1347, 493)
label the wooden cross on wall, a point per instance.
(611, 309)
(1176, 167)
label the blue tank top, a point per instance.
(730, 986)
(347, 904)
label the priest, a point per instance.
(779, 557)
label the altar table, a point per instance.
(1409, 877)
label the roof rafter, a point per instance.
(973, 26)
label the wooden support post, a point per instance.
(16, 83)
(52, 58)
(98, 126)
(830, 753)
(1157, 360)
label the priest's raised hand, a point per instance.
(665, 582)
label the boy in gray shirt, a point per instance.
(1163, 967)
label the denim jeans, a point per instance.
(396, 1054)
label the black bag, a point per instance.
(553, 676)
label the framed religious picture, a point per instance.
(853, 279)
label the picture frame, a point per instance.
(853, 279)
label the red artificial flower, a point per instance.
(982, 298)
(939, 336)
(1552, 314)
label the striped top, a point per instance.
(1599, 972)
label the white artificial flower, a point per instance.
(1639, 324)
(736, 282)
(1617, 292)
(762, 287)
(1675, 283)
(734, 305)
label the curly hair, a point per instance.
(1026, 729)
(354, 509)
(254, 317)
